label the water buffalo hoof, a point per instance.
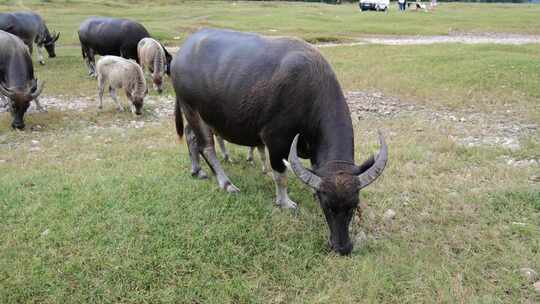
(286, 204)
(199, 174)
(231, 188)
(42, 62)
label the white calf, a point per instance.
(118, 73)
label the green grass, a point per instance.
(312, 21)
(112, 215)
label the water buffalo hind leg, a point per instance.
(223, 148)
(193, 148)
(262, 154)
(205, 140)
(101, 89)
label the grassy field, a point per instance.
(106, 211)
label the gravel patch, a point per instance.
(456, 37)
(469, 128)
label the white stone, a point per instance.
(537, 287)
(390, 214)
(529, 274)
(360, 240)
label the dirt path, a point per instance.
(465, 38)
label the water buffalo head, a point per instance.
(337, 184)
(19, 100)
(50, 43)
(158, 83)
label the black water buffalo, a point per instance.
(254, 90)
(31, 28)
(112, 36)
(17, 81)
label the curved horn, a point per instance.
(6, 91)
(371, 174)
(302, 173)
(39, 87)
(56, 36)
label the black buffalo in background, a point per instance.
(111, 36)
(17, 82)
(31, 28)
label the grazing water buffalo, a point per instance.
(17, 81)
(111, 36)
(254, 90)
(118, 73)
(31, 28)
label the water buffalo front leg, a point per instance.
(278, 150)
(112, 92)
(205, 140)
(40, 54)
(223, 148)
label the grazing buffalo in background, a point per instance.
(31, 28)
(278, 92)
(111, 36)
(152, 56)
(17, 81)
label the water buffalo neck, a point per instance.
(335, 140)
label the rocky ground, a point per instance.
(469, 128)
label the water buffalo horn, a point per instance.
(6, 92)
(302, 173)
(36, 88)
(371, 174)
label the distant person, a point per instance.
(433, 4)
(402, 4)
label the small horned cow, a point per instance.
(17, 82)
(118, 73)
(152, 56)
(281, 93)
(31, 28)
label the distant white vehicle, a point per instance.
(374, 5)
